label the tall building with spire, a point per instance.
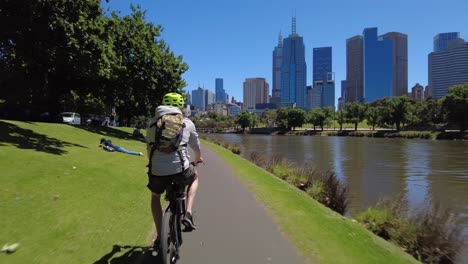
(293, 70)
(276, 78)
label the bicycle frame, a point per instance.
(176, 196)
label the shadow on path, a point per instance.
(129, 255)
(110, 132)
(28, 139)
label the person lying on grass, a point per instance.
(108, 146)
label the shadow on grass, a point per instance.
(110, 132)
(129, 255)
(28, 139)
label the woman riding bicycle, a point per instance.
(166, 165)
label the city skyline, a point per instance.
(217, 43)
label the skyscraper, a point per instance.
(256, 91)
(354, 70)
(400, 62)
(378, 66)
(277, 62)
(198, 99)
(219, 90)
(210, 98)
(293, 70)
(343, 89)
(328, 93)
(448, 67)
(417, 92)
(322, 63)
(442, 40)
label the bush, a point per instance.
(430, 235)
(328, 190)
(282, 171)
(259, 159)
(236, 149)
(439, 237)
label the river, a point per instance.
(426, 171)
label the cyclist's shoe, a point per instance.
(155, 245)
(188, 222)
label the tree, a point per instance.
(455, 103)
(59, 55)
(282, 117)
(296, 118)
(47, 49)
(317, 117)
(143, 67)
(340, 117)
(431, 111)
(373, 117)
(356, 113)
(399, 107)
(244, 119)
(328, 112)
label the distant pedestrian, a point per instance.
(108, 146)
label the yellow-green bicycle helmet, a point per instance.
(173, 99)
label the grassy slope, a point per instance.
(320, 235)
(59, 214)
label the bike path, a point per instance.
(231, 226)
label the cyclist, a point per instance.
(165, 166)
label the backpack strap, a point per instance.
(153, 145)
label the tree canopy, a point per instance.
(62, 55)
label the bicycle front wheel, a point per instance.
(167, 249)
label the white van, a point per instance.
(71, 118)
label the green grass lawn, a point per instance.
(319, 234)
(67, 201)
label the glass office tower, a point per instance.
(442, 40)
(378, 66)
(198, 99)
(322, 63)
(293, 70)
(219, 90)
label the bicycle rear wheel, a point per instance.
(167, 248)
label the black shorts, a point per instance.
(158, 184)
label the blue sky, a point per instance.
(234, 40)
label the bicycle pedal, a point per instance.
(187, 229)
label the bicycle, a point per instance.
(171, 231)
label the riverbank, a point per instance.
(380, 133)
(319, 234)
(437, 135)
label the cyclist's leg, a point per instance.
(157, 186)
(192, 183)
(191, 193)
(156, 211)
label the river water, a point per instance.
(426, 171)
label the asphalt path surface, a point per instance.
(231, 226)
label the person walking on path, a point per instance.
(167, 138)
(108, 146)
